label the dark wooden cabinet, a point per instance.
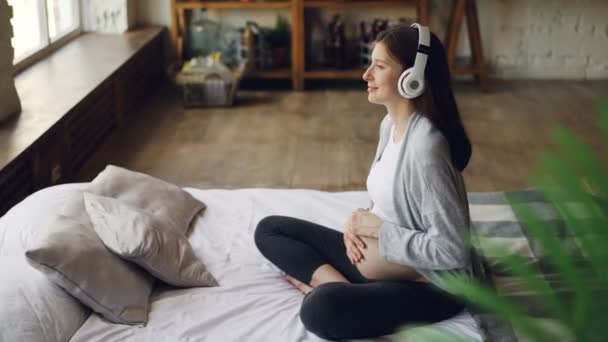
(58, 154)
(16, 182)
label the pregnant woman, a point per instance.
(382, 271)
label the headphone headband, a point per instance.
(424, 47)
(411, 82)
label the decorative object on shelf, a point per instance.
(109, 16)
(9, 99)
(367, 37)
(253, 48)
(315, 45)
(204, 36)
(335, 46)
(249, 40)
(278, 39)
(207, 37)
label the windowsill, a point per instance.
(54, 86)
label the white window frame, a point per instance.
(50, 45)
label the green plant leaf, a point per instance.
(485, 298)
(582, 158)
(551, 245)
(585, 235)
(423, 333)
(604, 119)
(535, 282)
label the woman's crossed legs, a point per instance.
(359, 308)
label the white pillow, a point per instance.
(33, 309)
(139, 237)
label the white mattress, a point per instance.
(253, 301)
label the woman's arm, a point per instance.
(442, 244)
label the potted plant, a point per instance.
(279, 39)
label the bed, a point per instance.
(253, 301)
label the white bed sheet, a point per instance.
(253, 301)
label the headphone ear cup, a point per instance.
(406, 81)
(402, 84)
(415, 86)
(421, 87)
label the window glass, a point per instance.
(28, 33)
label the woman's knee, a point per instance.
(266, 227)
(321, 310)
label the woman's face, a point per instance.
(382, 76)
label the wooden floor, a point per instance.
(325, 139)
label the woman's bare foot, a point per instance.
(298, 284)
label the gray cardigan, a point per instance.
(431, 204)
(433, 212)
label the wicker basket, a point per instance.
(207, 86)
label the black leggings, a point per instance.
(363, 309)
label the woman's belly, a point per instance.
(375, 267)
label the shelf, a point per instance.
(233, 5)
(334, 73)
(270, 74)
(297, 8)
(357, 4)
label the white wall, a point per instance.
(154, 12)
(539, 39)
(109, 16)
(546, 39)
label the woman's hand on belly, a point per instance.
(354, 243)
(374, 267)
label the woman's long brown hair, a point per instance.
(437, 102)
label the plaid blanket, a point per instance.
(495, 223)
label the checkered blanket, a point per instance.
(495, 223)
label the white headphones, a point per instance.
(411, 81)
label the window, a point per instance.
(62, 17)
(38, 24)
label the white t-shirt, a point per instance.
(381, 180)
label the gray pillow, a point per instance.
(139, 237)
(166, 201)
(70, 254)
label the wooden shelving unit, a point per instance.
(328, 73)
(357, 3)
(271, 74)
(297, 72)
(233, 4)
